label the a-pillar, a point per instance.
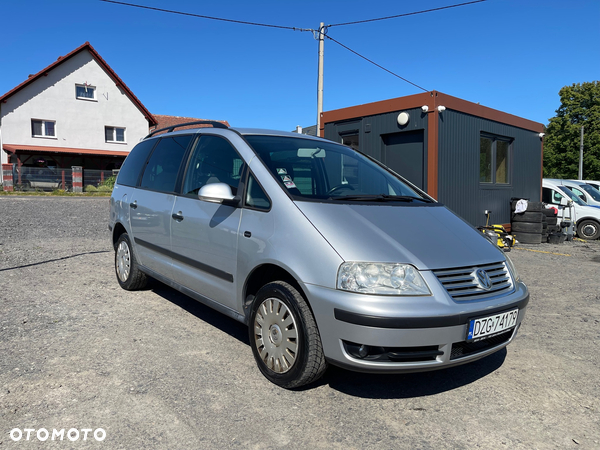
(7, 177)
(77, 178)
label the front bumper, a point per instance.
(409, 334)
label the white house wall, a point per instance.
(79, 123)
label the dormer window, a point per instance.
(85, 92)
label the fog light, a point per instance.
(363, 351)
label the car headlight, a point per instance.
(512, 269)
(381, 278)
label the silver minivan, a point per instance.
(326, 255)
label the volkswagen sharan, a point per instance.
(325, 254)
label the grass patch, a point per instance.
(55, 193)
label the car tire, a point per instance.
(528, 238)
(533, 217)
(588, 229)
(284, 337)
(129, 276)
(528, 227)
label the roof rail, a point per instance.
(199, 122)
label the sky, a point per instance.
(510, 55)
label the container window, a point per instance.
(495, 155)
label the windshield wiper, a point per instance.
(381, 198)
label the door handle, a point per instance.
(178, 217)
(133, 205)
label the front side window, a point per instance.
(85, 92)
(494, 159)
(214, 160)
(578, 193)
(325, 171)
(114, 134)
(565, 190)
(592, 192)
(163, 166)
(43, 128)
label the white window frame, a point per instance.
(93, 88)
(114, 135)
(44, 135)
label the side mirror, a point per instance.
(218, 193)
(564, 201)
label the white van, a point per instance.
(584, 191)
(592, 183)
(570, 206)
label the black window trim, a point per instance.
(244, 204)
(496, 137)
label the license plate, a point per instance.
(486, 327)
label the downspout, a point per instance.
(432, 146)
(1, 149)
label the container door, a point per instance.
(403, 153)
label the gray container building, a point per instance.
(467, 156)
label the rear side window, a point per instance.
(134, 163)
(162, 169)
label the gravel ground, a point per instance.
(155, 369)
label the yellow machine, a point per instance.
(498, 235)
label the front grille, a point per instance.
(462, 283)
(462, 349)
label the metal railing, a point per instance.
(52, 178)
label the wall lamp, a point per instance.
(542, 135)
(425, 109)
(403, 118)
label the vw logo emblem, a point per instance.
(484, 279)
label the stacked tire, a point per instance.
(528, 226)
(553, 231)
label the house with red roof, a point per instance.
(74, 112)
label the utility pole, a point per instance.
(320, 77)
(581, 156)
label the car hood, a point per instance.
(428, 237)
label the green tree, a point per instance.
(579, 105)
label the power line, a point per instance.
(406, 14)
(207, 17)
(374, 63)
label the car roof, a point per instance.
(241, 131)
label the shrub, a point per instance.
(91, 188)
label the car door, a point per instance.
(152, 203)
(204, 235)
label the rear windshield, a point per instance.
(316, 170)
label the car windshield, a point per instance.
(572, 196)
(317, 170)
(593, 192)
